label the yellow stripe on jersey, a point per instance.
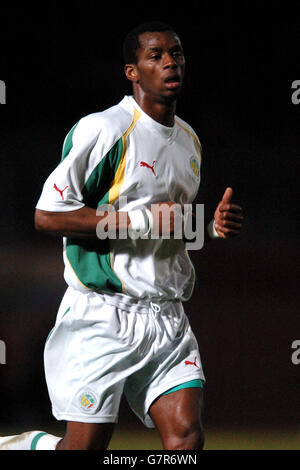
(118, 180)
(116, 185)
(111, 257)
(194, 137)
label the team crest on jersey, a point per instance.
(87, 401)
(195, 167)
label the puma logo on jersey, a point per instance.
(151, 167)
(60, 190)
(192, 363)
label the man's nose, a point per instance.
(169, 61)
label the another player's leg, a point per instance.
(177, 417)
(86, 436)
(79, 436)
(30, 440)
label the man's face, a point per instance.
(160, 64)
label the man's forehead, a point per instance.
(153, 39)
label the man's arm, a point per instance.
(83, 222)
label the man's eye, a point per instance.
(155, 56)
(178, 55)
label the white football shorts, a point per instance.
(97, 351)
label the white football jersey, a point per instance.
(123, 152)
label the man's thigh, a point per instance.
(178, 416)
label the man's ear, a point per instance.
(131, 72)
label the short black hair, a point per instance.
(131, 41)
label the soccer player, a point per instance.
(121, 326)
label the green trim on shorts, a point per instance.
(36, 439)
(50, 333)
(190, 384)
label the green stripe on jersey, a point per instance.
(90, 259)
(68, 143)
(96, 190)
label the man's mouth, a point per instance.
(172, 82)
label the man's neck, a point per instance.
(162, 112)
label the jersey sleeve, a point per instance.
(62, 191)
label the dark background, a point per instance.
(62, 61)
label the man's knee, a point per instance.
(185, 439)
(86, 436)
(74, 444)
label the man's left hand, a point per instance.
(228, 217)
